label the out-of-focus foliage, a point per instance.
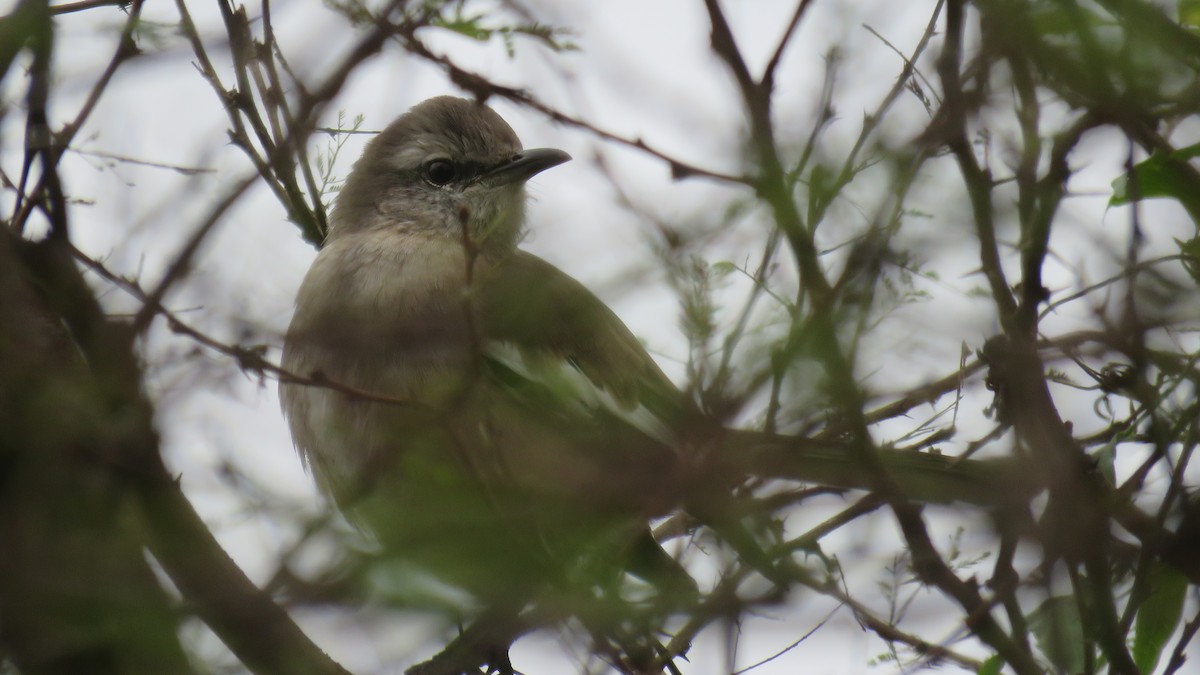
(943, 354)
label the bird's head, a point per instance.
(448, 166)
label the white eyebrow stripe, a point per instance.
(416, 151)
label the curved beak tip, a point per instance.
(527, 164)
(542, 158)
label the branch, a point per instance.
(949, 126)
(249, 359)
(768, 77)
(183, 260)
(482, 88)
(771, 182)
(84, 5)
(55, 144)
(256, 630)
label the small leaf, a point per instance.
(1058, 628)
(1105, 457)
(466, 26)
(723, 268)
(1160, 175)
(820, 190)
(1190, 250)
(1158, 616)
(992, 666)
(1189, 14)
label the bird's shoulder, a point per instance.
(547, 315)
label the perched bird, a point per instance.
(492, 424)
(509, 441)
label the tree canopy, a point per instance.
(944, 254)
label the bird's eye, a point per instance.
(440, 172)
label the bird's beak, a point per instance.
(525, 165)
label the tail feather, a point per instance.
(921, 476)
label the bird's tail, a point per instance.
(926, 477)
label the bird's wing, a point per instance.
(543, 324)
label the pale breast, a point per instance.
(383, 313)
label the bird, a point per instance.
(498, 432)
(492, 424)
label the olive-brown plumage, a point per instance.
(528, 446)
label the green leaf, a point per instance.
(1190, 250)
(1105, 457)
(1160, 175)
(1158, 616)
(1053, 19)
(820, 190)
(992, 666)
(1058, 629)
(1189, 14)
(467, 26)
(723, 268)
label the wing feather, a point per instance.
(557, 325)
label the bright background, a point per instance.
(644, 70)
